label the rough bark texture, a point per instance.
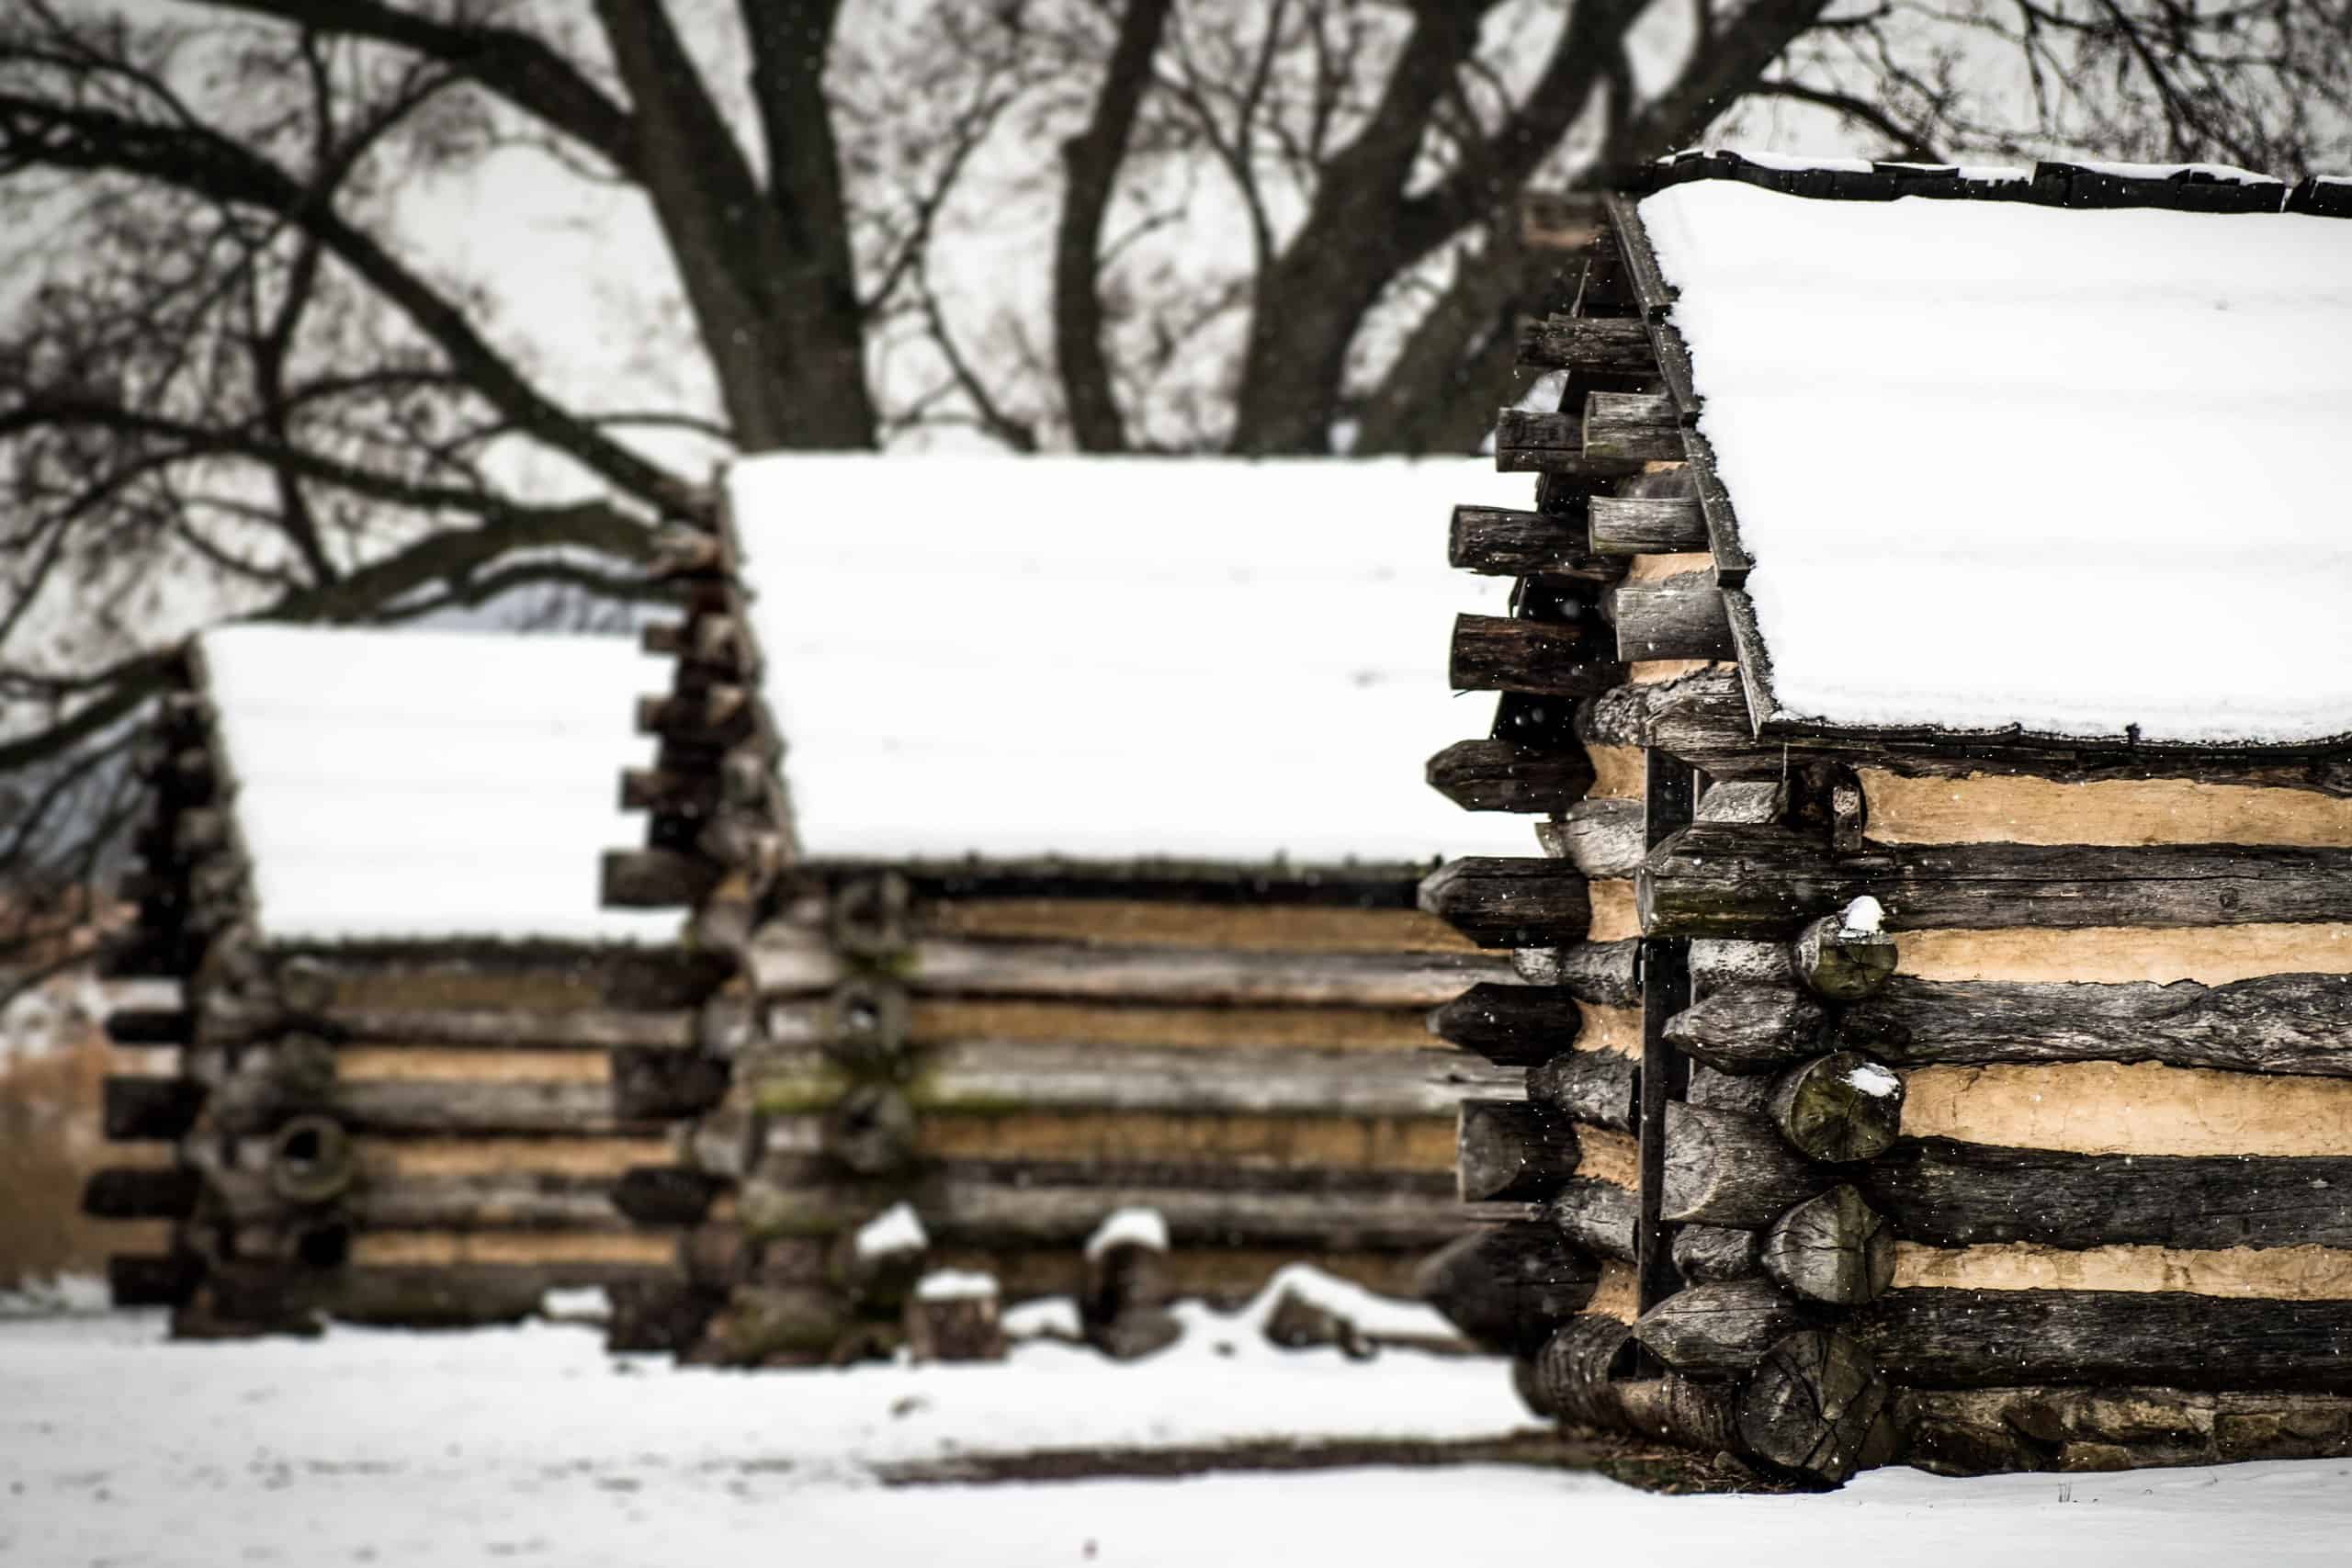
(1598, 1088)
(1515, 1026)
(1500, 902)
(1725, 1168)
(1510, 1288)
(1717, 1330)
(1513, 1151)
(1814, 1409)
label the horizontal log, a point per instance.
(1614, 345)
(1750, 1028)
(1509, 1287)
(1274, 925)
(1720, 880)
(150, 1026)
(583, 1029)
(1599, 1088)
(1645, 526)
(1603, 839)
(661, 1085)
(656, 879)
(1598, 972)
(1702, 718)
(987, 1078)
(1512, 1151)
(1750, 1094)
(1945, 1338)
(142, 1192)
(394, 988)
(1981, 1431)
(1495, 775)
(428, 1105)
(1516, 1026)
(1719, 1330)
(1530, 442)
(1703, 1253)
(1500, 542)
(1503, 902)
(665, 1195)
(2279, 1024)
(1031, 1204)
(717, 716)
(1644, 426)
(1724, 1168)
(1580, 1376)
(1953, 1194)
(1672, 617)
(1108, 1025)
(1500, 653)
(783, 962)
(1598, 1216)
(144, 1108)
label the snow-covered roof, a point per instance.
(398, 786)
(1114, 659)
(1999, 464)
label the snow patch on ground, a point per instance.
(531, 1444)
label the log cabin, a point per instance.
(370, 949)
(1086, 885)
(1946, 569)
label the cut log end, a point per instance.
(1812, 1408)
(1838, 1108)
(1513, 1151)
(1510, 1287)
(1840, 964)
(1835, 1249)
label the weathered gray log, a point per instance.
(1839, 1108)
(1981, 1432)
(1717, 963)
(1723, 1168)
(2274, 1023)
(1645, 526)
(1702, 719)
(1569, 1379)
(1706, 1253)
(1598, 1216)
(1743, 800)
(1672, 617)
(460, 1105)
(958, 1326)
(1953, 1194)
(1598, 1088)
(656, 879)
(1719, 880)
(1509, 1287)
(1529, 442)
(1817, 1408)
(665, 1195)
(1600, 972)
(141, 1108)
(1614, 346)
(142, 1192)
(1718, 1090)
(1837, 960)
(1954, 1338)
(1603, 839)
(1500, 653)
(1750, 1028)
(1640, 427)
(1721, 1329)
(1512, 1151)
(1497, 775)
(1514, 1026)
(786, 962)
(1499, 901)
(1500, 542)
(1835, 1249)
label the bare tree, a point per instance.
(233, 381)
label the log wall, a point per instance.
(416, 1134)
(2034, 1159)
(1016, 1051)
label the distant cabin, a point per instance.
(1948, 569)
(369, 939)
(1062, 815)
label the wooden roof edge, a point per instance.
(2049, 183)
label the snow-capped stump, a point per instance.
(1991, 969)
(1123, 1302)
(368, 872)
(953, 1316)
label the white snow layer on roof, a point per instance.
(2010, 464)
(418, 785)
(1117, 658)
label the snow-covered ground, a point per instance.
(496, 1446)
